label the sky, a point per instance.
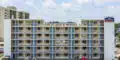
(67, 10)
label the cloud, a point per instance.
(49, 3)
(109, 0)
(9, 2)
(101, 2)
(82, 1)
(66, 5)
(4, 1)
(66, 10)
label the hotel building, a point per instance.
(9, 12)
(32, 39)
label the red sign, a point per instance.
(109, 21)
(1, 50)
(83, 58)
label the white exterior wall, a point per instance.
(7, 37)
(109, 41)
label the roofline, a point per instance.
(24, 19)
(92, 19)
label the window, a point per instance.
(57, 48)
(39, 55)
(57, 28)
(38, 28)
(76, 41)
(84, 54)
(94, 48)
(20, 54)
(28, 41)
(28, 48)
(20, 35)
(47, 41)
(76, 48)
(29, 28)
(76, 35)
(20, 48)
(102, 42)
(101, 36)
(39, 41)
(20, 28)
(76, 28)
(20, 22)
(20, 41)
(47, 35)
(66, 29)
(57, 54)
(27, 54)
(65, 48)
(46, 47)
(47, 54)
(65, 54)
(47, 28)
(39, 35)
(95, 35)
(95, 22)
(66, 41)
(66, 35)
(84, 42)
(58, 35)
(84, 48)
(38, 22)
(1, 44)
(95, 54)
(13, 48)
(85, 29)
(94, 41)
(38, 48)
(28, 35)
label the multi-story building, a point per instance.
(39, 40)
(117, 34)
(117, 39)
(9, 12)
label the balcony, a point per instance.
(96, 56)
(28, 42)
(95, 25)
(39, 35)
(94, 32)
(61, 51)
(84, 38)
(46, 51)
(95, 38)
(84, 25)
(77, 31)
(96, 51)
(39, 31)
(83, 32)
(27, 31)
(39, 55)
(77, 43)
(78, 51)
(18, 25)
(61, 38)
(28, 49)
(40, 51)
(61, 32)
(39, 42)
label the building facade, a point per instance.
(39, 40)
(9, 12)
